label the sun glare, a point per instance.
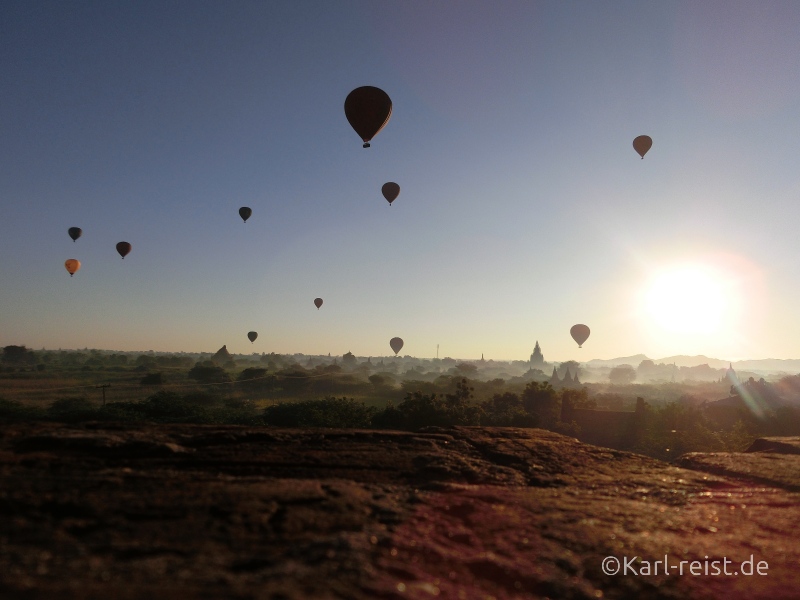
(688, 299)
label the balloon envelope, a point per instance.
(390, 191)
(579, 333)
(318, 302)
(245, 213)
(642, 144)
(74, 232)
(72, 265)
(252, 336)
(396, 344)
(367, 110)
(123, 248)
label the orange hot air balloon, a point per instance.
(579, 333)
(318, 302)
(390, 191)
(367, 110)
(123, 248)
(74, 232)
(642, 144)
(252, 336)
(396, 343)
(245, 213)
(72, 265)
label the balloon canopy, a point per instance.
(642, 144)
(579, 333)
(74, 232)
(367, 110)
(318, 302)
(245, 213)
(397, 344)
(252, 336)
(123, 248)
(72, 265)
(390, 191)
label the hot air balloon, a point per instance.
(396, 343)
(642, 144)
(72, 265)
(318, 302)
(252, 336)
(245, 213)
(579, 333)
(367, 110)
(390, 191)
(123, 248)
(74, 232)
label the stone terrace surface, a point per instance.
(188, 511)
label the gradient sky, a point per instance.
(523, 207)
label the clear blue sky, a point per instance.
(523, 207)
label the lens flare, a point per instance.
(688, 299)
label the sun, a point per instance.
(688, 299)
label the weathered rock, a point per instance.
(183, 511)
(770, 461)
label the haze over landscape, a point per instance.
(309, 299)
(523, 207)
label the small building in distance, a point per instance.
(537, 359)
(568, 381)
(222, 356)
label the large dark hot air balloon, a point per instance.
(318, 302)
(390, 191)
(245, 213)
(642, 144)
(396, 343)
(74, 232)
(252, 336)
(72, 265)
(367, 110)
(123, 248)
(579, 333)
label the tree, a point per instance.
(573, 366)
(207, 372)
(622, 375)
(540, 399)
(466, 369)
(382, 380)
(143, 360)
(506, 410)
(421, 410)
(19, 355)
(578, 398)
(252, 373)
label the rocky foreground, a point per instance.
(185, 511)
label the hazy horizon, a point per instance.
(639, 356)
(523, 209)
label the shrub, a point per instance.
(330, 412)
(72, 410)
(16, 412)
(152, 379)
(252, 373)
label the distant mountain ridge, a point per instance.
(615, 362)
(787, 365)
